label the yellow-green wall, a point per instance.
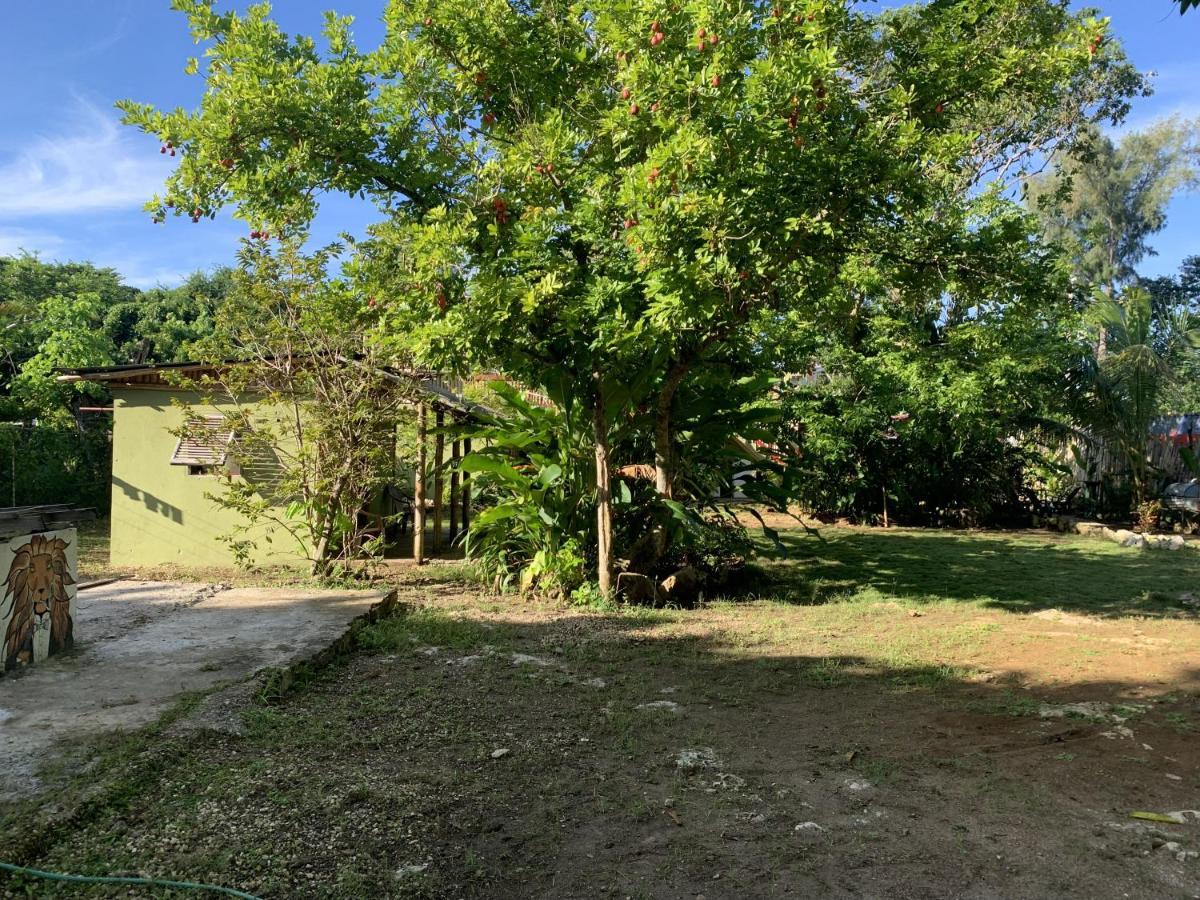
(160, 515)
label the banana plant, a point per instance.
(535, 467)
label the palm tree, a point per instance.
(1122, 391)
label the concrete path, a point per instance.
(140, 645)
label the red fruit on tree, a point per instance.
(700, 33)
(172, 151)
(428, 21)
(630, 223)
(776, 12)
(701, 46)
(940, 108)
(634, 109)
(488, 118)
(654, 106)
(653, 176)
(227, 163)
(626, 93)
(371, 301)
(715, 81)
(254, 235)
(656, 39)
(714, 39)
(162, 149)
(655, 26)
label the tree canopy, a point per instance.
(609, 200)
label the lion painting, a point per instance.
(36, 602)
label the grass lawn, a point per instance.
(899, 714)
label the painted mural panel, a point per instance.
(38, 603)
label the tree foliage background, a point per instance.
(67, 315)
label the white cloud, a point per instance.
(95, 165)
(14, 241)
(150, 277)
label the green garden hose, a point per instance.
(117, 879)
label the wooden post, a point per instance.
(419, 490)
(439, 485)
(454, 501)
(466, 489)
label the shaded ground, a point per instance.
(886, 737)
(140, 646)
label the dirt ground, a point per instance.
(877, 741)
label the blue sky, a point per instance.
(72, 179)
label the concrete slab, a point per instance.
(140, 645)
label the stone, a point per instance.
(681, 588)
(1127, 538)
(638, 589)
(692, 759)
(669, 706)
(500, 752)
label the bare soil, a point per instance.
(878, 742)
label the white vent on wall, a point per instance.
(205, 442)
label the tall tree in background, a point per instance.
(1105, 200)
(70, 315)
(1175, 299)
(606, 199)
(1122, 392)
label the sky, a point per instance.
(73, 179)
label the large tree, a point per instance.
(1104, 200)
(605, 199)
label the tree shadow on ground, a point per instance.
(1015, 571)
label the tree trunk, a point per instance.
(320, 561)
(604, 560)
(664, 452)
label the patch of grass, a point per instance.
(425, 626)
(93, 550)
(1056, 571)
(1011, 704)
(826, 673)
(1180, 722)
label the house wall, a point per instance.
(160, 514)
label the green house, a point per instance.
(162, 512)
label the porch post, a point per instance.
(466, 489)
(439, 454)
(419, 490)
(454, 500)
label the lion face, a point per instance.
(36, 588)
